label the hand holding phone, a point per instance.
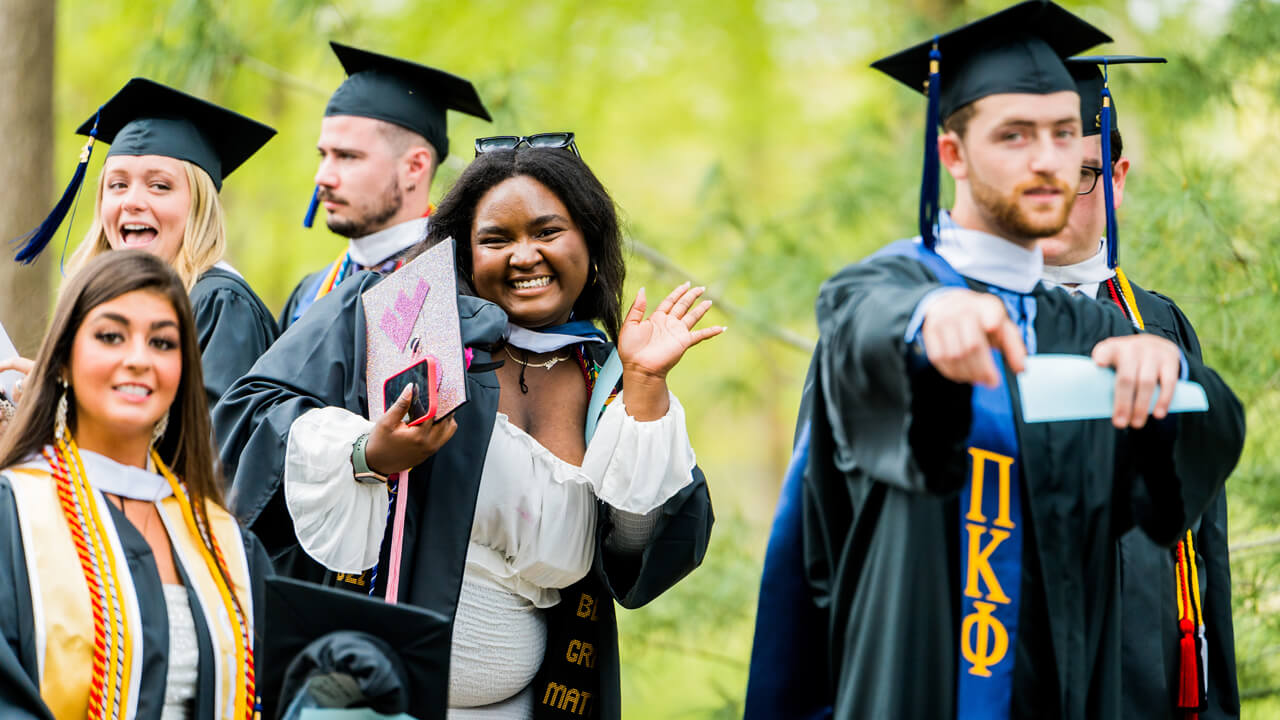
(424, 376)
(402, 438)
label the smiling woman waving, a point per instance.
(565, 483)
(126, 590)
(159, 192)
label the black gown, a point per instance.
(320, 362)
(300, 290)
(233, 327)
(1150, 609)
(881, 516)
(19, 689)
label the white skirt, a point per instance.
(498, 642)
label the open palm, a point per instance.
(655, 344)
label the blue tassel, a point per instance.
(35, 241)
(929, 183)
(1108, 189)
(310, 217)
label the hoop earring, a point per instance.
(60, 414)
(158, 431)
(595, 273)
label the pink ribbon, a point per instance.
(397, 537)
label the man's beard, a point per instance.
(390, 203)
(1008, 214)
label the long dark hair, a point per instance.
(577, 187)
(187, 445)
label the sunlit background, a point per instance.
(751, 149)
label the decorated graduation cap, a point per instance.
(1017, 50)
(347, 649)
(147, 118)
(1098, 117)
(400, 92)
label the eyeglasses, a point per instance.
(540, 140)
(1088, 179)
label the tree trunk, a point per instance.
(26, 124)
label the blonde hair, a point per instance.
(204, 242)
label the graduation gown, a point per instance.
(253, 420)
(1150, 655)
(307, 284)
(233, 328)
(881, 511)
(19, 679)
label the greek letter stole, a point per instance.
(62, 605)
(990, 524)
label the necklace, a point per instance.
(555, 359)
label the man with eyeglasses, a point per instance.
(383, 135)
(1178, 644)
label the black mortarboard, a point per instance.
(405, 93)
(147, 118)
(397, 654)
(1098, 117)
(1088, 74)
(1017, 50)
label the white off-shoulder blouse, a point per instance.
(533, 532)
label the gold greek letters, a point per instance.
(1005, 463)
(988, 645)
(352, 579)
(980, 564)
(984, 640)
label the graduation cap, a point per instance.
(1017, 50)
(404, 93)
(1098, 117)
(147, 118)
(397, 655)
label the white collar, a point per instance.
(543, 342)
(109, 476)
(1084, 275)
(988, 258)
(224, 265)
(379, 247)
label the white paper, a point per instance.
(1072, 387)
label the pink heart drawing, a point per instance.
(398, 320)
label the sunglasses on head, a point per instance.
(540, 140)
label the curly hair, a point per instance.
(589, 205)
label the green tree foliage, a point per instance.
(749, 144)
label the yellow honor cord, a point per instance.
(117, 686)
(243, 706)
(1127, 290)
(1197, 614)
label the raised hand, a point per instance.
(961, 329)
(395, 447)
(654, 345)
(18, 364)
(1142, 363)
(650, 347)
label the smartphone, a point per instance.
(425, 377)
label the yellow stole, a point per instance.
(62, 608)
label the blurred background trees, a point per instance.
(751, 149)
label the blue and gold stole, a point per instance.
(990, 522)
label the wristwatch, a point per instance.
(363, 473)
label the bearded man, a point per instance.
(383, 135)
(963, 560)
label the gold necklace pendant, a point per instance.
(547, 365)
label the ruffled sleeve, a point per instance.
(339, 521)
(637, 466)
